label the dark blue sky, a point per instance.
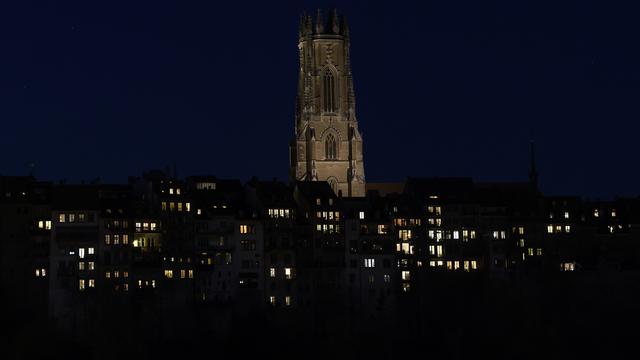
(443, 88)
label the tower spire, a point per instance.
(334, 25)
(319, 22)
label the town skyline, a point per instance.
(105, 93)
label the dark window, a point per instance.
(329, 92)
(330, 148)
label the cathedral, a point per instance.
(327, 145)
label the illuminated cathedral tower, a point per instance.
(327, 145)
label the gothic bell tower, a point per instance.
(327, 145)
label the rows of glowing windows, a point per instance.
(280, 213)
(328, 215)
(289, 273)
(273, 302)
(176, 206)
(184, 274)
(467, 265)
(465, 235)
(555, 229)
(74, 218)
(328, 228)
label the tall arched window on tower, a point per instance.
(330, 148)
(329, 91)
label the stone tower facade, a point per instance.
(327, 145)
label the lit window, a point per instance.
(190, 273)
(550, 229)
(171, 191)
(404, 235)
(107, 274)
(566, 214)
(179, 206)
(432, 249)
(430, 209)
(369, 263)
(164, 205)
(72, 217)
(116, 274)
(81, 253)
(287, 300)
(439, 251)
(473, 234)
(37, 272)
(91, 251)
(199, 211)
(361, 215)
(92, 265)
(288, 273)
(449, 265)
(168, 274)
(152, 226)
(466, 265)
(116, 239)
(387, 278)
(530, 251)
(81, 284)
(172, 206)
(521, 230)
(125, 274)
(246, 229)
(567, 228)
(539, 252)
(272, 300)
(187, 207)
(41, 224)
(183, 274)
(596, 213)
(474, 265)
(456, 234)
(318, 202)
(125, 239)
(613, 213)
(47, 225)
(432, 263)
(62, 218)
(272, 272)
(382, 229)
(92, 283)
(177, 191)
(456, 265)
(406, 276)
(406, 287)
(521, 242)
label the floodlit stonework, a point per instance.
(327, 145)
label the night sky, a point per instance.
(443, 88)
